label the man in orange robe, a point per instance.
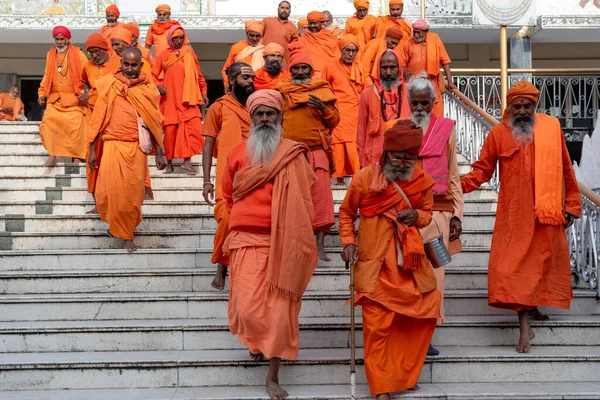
(396, 8)
(11, 106)
(182, 92)
(280, 29)
(380, 106)
(302, 27)
(438, 158)
(529, 260)
(64, 128)
(311, 115)
(320, 43)
(122, 39)
(135, 35)
(347, 80)
(156, 38)
(394, 281)
(425, 52)
(227, 123)
(112, 21)
(273, 71)
(248, 51)
(123, 98)
(361, 24)
(368, 56)
(102, 64)
(330, 26)
(266, 184)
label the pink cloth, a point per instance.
(434, 152)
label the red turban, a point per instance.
(299, 54)
(265, 97)
(273, 48)
(96, 40)
(403, 136)
(254, 26)
(61, 30)
(315, 16)
(348, 39)
(302, 22)
(163, 7)
(521, 89)
(396, 2)
(122, 34)
(395, 32)
(361, 3)
(133, 28)
(113, 9)
(421, 25)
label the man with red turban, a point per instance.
(396, 8)
(64, 128)
(112, 21)
(394, 281)
(183, 90)
(135, 35)
(539, 198)
(361, 24)
(311, 115)
(270, 74)
(380, 106)
(369, 55)
(266, 185)
(347, 80)
(156, 38)
(280, 29)
(248, 51)
(320, 43)
(425, 52)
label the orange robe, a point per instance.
(313, 128)
(122, 173)
(336, 31)
(64, 127)
(156, 37)
(262, 79)
(280, 32)
(369, 56)
(16, 104)
(228, 122)
(364, 28)
(185, 86)
(428, 56)
(108, 31)
(347, 83)
(385, 22)
(268, 277)
(529, 261)
(399, 306)
(243, 52)
(145, 53)
(323, 46)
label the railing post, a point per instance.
(423, 8)
(503, 65)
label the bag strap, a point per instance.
(399, 189)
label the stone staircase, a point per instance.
(82, 319)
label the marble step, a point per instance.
(159, 180)
(38, 169)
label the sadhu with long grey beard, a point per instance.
(529, 260)
(394, 281)
(266, 185)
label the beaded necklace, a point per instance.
(384, 103)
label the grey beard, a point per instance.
(162, 19)
(522, 131)
(263, 142)
(420, 40)
(300, 81)
(422, 120)
(273, 70)
(389, 85)
(61, 49)
(12, 96)
(394, 173)
(111, 23)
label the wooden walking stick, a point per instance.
(352, 336)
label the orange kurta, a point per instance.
(228, 122)
(280, 32)
(323, 46)
(262, 79)
(428, 56)
(156, 37)
(364, 28)
(243, 52)
(108, 31)
(529, 261)
(16, 104)
(145, 53)
(385, 22)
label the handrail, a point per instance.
(573, 71)
(589, 193)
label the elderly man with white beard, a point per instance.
(273, 254)
(438, 159)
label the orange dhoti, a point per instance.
(346, 159)
(322, 195)
(222, 217)
(63, 131)
(264, 320)
(184, 140)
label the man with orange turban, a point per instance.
(135, 35)
(361, 24)
(330, 26)
(347, 80)
(112, 21)
(380, 106)
(156, 38)
(266, 185)
(302, 26)
(369, 55)
(425, 52)
(248, 51)
(539, 198)
(227, 123)
(311, 115)
(394, 281)
(269, 75)
(127, 119)
(64, 128)
(396, 8)
(183, 90)
(280, 29)
(11, 106)
(122, 38)
(320, 43)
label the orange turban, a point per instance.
(302, 22)
(265, 97)
(96, 40)
(113, 9)
(61, 30)
(395, 32)
(299, 54)
(315, 16)
(122, 34)
(133, 28)
(396, 2)
(348, 39)
(361, 3)
(403, 136)
(521, 89)
(273, 48)
(163, 7)
(254, 26)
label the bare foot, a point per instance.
(169, 168)
(416, 387)
(187, 167)
(148, 193)
(537, 315)
(385, 396)
(220, 277)
(93, 211)
(323, 255)
(321, 246)
(275, 391)
(525, 341)
(340, 182)
(130, 246)
(51, 162)
(257, 356)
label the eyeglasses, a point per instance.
(409, 162)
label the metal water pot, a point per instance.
(436, 251)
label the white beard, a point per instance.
(111, 23)
(263, 142)
(394, 173)
(522, 131)
(61, 49)
(422, 120)
(12, 96)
